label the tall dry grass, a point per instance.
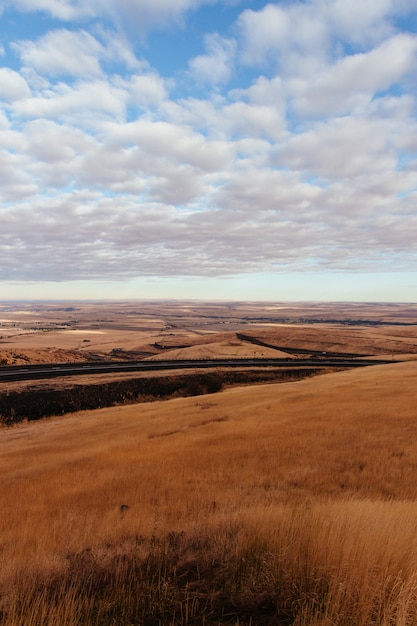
(288, 504)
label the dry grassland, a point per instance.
(58, 332)
(291, 504)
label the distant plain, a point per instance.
(48, 332)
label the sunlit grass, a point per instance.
(281, 504)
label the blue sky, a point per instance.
(229, 149)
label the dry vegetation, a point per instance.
(291, 504)
(57, 332)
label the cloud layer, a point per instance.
(287, 142)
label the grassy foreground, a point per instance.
(290, 504)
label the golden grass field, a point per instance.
(280, 504)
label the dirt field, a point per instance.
(59, 332)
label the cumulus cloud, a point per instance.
(170, 141)
(215, 66)
(62, 52)
(15, 182)
(362, 22)
(111, 168)
(299, 38)
(355, 79)
(146, 89)
(294, 38)
(87, 237)
(12, 85)
(84, 103)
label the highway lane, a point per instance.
(54, 370)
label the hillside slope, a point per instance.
(322, 471)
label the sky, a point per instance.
(208, 149)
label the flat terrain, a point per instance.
(60, 332)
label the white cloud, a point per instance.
(145, 90)
(117, 48)
(15, 182)
(264, 31)
(85, 103)
(139, 15)
(358, 150)
(299, 38)
(144, 15)
(62, 52)
(169, 141)
(216, 66)
(257, 112)
(249, 120)
(269, 219)
(202, 114)
(4, 122)
(12, 85)
(294, 38)
(355, 79)
(56, 152)
(10, 140)
(149, 13)
(108, 169)
(60, 9)
(361, 22)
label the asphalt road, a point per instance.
(31, 372)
